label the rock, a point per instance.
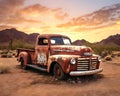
(108, 58)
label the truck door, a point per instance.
(42, 51)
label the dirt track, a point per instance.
(36, 83)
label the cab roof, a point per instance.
(51, 35)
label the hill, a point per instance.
(113, 40)
(15, 38)
(81, 42)
(12, 34)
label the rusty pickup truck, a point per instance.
(55, 54)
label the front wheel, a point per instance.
(58, 72)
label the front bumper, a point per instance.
(81, 73)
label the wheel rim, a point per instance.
(58, 72)
(22, 64)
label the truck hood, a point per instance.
(71, 50)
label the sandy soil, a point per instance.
(36, 83)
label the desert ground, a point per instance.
(32, 82)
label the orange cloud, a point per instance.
(38, 11)
(37, 16)
(3, 27)
(8, 12)
(34, 9)
(9, 7)
(59, 14)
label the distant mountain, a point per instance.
(12, 34)
(32, 37)
(111, 40)
(81, 42)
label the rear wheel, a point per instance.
(23, 66)
(58, 72)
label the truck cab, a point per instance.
(55, 54)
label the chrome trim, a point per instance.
(86, 64)
(81, 73)
(63, 50)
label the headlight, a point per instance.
(72, 61)
(99, 58)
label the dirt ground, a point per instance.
(36, 83)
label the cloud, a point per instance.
(14, 13)
(35, 8)
(59, 14)
(40, 12)
(10, 6)
(8, 10)
(86, 23)
(2, 27)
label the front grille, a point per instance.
(85, 64)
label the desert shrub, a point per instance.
(113, 55)
(104, 54)
(3, 47)
(5, 51)
(8, 54)
(3, 55)
(118, 54)
(104, 50)
(16, 43)
(21, 44)
(4, 68)
(14, 54)
(108, 58)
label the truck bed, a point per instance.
(26, 50)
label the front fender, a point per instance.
(24, 56)
(63, 61)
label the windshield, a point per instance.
(60, 41)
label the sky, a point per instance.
(55, 17)
(75, 7)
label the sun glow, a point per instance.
(38, 18)
(118, 22)
(92, 35)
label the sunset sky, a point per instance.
(54, 17)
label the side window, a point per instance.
(42, 41)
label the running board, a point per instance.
(36, 67)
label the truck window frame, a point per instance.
(62, 41)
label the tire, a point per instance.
(58, 72)
(22, 64)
